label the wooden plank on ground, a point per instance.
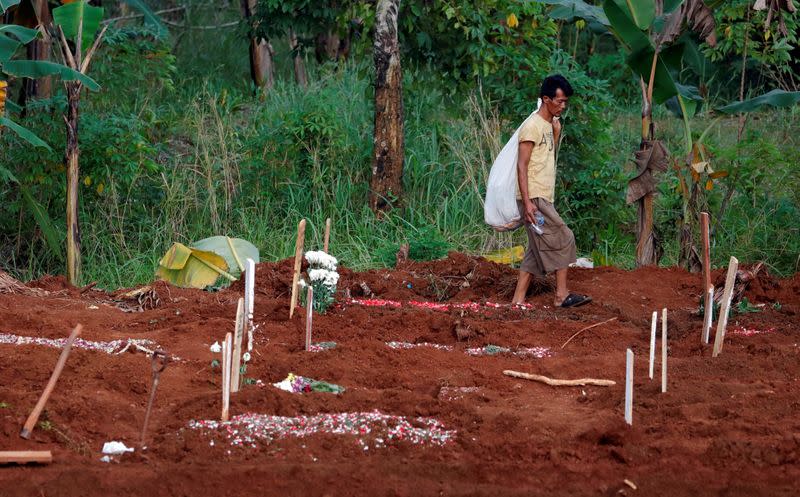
(25, 456)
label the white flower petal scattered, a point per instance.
(216, 348)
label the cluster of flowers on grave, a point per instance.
(322, 277)
(300, 384)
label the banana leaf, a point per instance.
(628, 33)
(21, 33)
(641, 12)
(775, 98)
(191, 268)
(12, 37)
(568, 10)
(235, 251)
(36, 69)
(8, 47)
(51, 235)
(23, 133)
(7, 4)
(69, 17)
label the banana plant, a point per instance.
(650, 32)
(656, 42)
(12, 38)
(79, 22)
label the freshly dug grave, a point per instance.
(726, 426)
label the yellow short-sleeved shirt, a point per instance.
(542, 164)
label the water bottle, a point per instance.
(537, 227)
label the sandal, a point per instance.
(575, 300)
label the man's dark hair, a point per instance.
(553, 83)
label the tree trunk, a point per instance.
(37, 15)
(327, 46)
(44, 86)
(299, 66)
(38, 49)
(386, 187)
(73, 175)
(262, 70)
(647, 245)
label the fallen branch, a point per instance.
(136, 16)
(560, 383)
(584, 329)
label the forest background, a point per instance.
(181, 142)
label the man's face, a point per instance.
(556, 105)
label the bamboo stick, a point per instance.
(51, 384)
(298, 259)
(709, 297)
(226, 377)
(653, 325)
(664, 350)
(309, 315)
(249, 297)
(722, 320)
(708, 315)
(704, 222)
(327, 234)
(629, 387)
(236, 362)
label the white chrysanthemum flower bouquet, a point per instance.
(323, 278)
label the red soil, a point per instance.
(727, 426)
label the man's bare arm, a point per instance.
(525, 149)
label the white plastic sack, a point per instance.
(115, 448)
(500, 209)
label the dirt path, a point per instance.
(726, 426)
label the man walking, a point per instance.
(552, 248)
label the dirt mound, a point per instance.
(427, 350)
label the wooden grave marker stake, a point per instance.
(722, 320)
(708, 316)
(309, 315)
(664, 350)
(653, 325)
(629, 387)
(226, 376)
(236, 362)
(327, 235)
(249, 298)
(709, 299)
(51, 384)
(298, 260)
